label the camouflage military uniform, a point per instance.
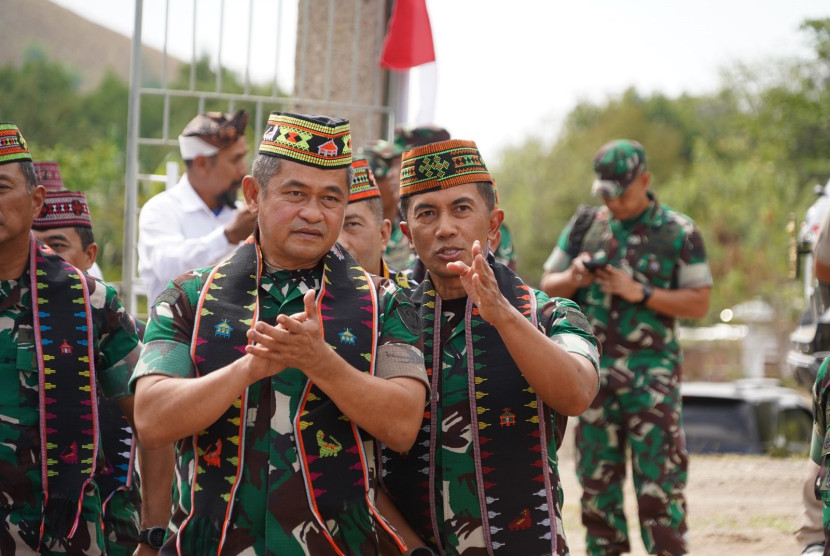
(116, 352)
(457, 508)
(397, 253)
(638, 403)
(505, 252)
(270, 502)
(820, 448)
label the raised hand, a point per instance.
(480, 284)
(296, 341)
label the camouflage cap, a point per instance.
(49, 175)
(13, 146)
(408, 137)
(379, 154)
(616, 164)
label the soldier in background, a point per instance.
(634, 266)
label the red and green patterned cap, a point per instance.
(318, 141)
(13, 146)
(63, 209)
(49, 175)
(408, 136)
(442, 165)
(616, 164)
(363, 183)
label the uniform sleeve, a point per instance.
(693, 271)
(822, 252)
(400, 345)
(117, 341)
(168, 334)
(565, 324)
(559, 259)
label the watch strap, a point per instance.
(648, 290)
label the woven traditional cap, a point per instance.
(207, 134)
(363, 183)
(442, 165)
(49, 175)
(616, 164)
(408, 136)
(318, 141)
(63, 209)
(13, 146)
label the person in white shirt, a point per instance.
(197, 222)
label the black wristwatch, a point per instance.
(153, 537)
(647, 291)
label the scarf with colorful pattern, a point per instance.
(514, 479)
(66, 388)
(228, 307)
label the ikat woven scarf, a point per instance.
(66, 386)
(511, 430)
(228, 307)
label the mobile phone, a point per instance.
(593, 265)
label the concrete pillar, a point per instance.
(337, 71)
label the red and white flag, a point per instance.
(409, 39)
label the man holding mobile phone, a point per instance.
(635, 266)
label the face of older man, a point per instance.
(18, 205)
(299, 211)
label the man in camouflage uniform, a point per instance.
(816, 490)
(279, 369)
(63, 336)
(65, 225)
(820, 453)
(507, 366)
(653, 270)
(365, 231)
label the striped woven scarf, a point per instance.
(66, 387)
(511, 429)
(348, 313)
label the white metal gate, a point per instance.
(335, 71)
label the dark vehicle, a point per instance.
(749, 416)
(810, 341)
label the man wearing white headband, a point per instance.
(196, 222)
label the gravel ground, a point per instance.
(738, 505)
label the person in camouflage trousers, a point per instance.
(634, 266)
(507, 366)
(279, 369)
(64, 338)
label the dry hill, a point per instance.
(68, 38)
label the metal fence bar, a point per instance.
(275, 89)
(219, 50)
(128, 263)
(240, 97)
(247, 88)
(193, 51)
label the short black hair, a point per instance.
(28, 169)
(86, 235)
(485, 189)
(375, 206)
